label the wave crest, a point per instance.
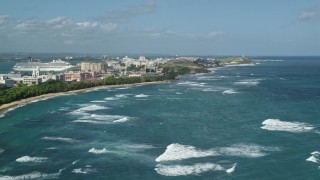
(98, 151)
(183, 170)
(24, 159)
(277, 125)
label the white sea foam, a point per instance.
(61, 139)
(11, 109)
(89, 108)
(315, 157)
(122, 95)
(209, 90)
(178, 93)
(1, 150)
(103, 119)
(98, 151)
(248, 82)
(110, 98)
(231, 170)
(179, 152)
(230, 91)
(184, 170)
(89, 121)
(190, 83)
(124, 88)
(24, 159)
(83, 171)
(246, 150)
(33, 175)
(277, 125)
(106, 117)
(121, 120)
(141, 96)
(136, 147)
(97, 101)
(207, 78)
(75, 162)
(52, 148)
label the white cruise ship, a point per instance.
(55, 65)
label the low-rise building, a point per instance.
(79, 76)
(93, 67)
(29, 80)
(6, 81)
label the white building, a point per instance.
(6, 81)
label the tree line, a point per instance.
(23, 91)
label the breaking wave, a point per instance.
(61, 139)
(190, 83)
(33, 175)
(180, 152)
(24, 159)
(1, 150)
(229, 91)
(141, 96)
(83, 171)
(102, 119)
(183, 170)
(248, 82)
(97, 101)
(88, 108)
(98, 151)
(277, 125)
(315, 157)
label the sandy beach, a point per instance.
(5, 107)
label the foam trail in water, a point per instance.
(183, 170)
(136, 147)
(141, 96)
(229, 91)
(246, 150)
(33, 175)
(277, 125)
(97, 101)
(193, 84)
(124, 119)
(24, 159)
(248, 82)
(83, 171)
(61, 139)
(179, 152)
(98, 151)
(89, 108)
(52, 148)
(315, 157)
(102, 119)
(1, 150)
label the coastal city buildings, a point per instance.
(79, 76)
(98, 69)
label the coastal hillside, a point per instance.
(234, 60)
(180, 67)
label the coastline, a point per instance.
(5, 107)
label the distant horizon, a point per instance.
(148, 54)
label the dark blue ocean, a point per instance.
(258, 121)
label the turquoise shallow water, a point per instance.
(241, 122)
